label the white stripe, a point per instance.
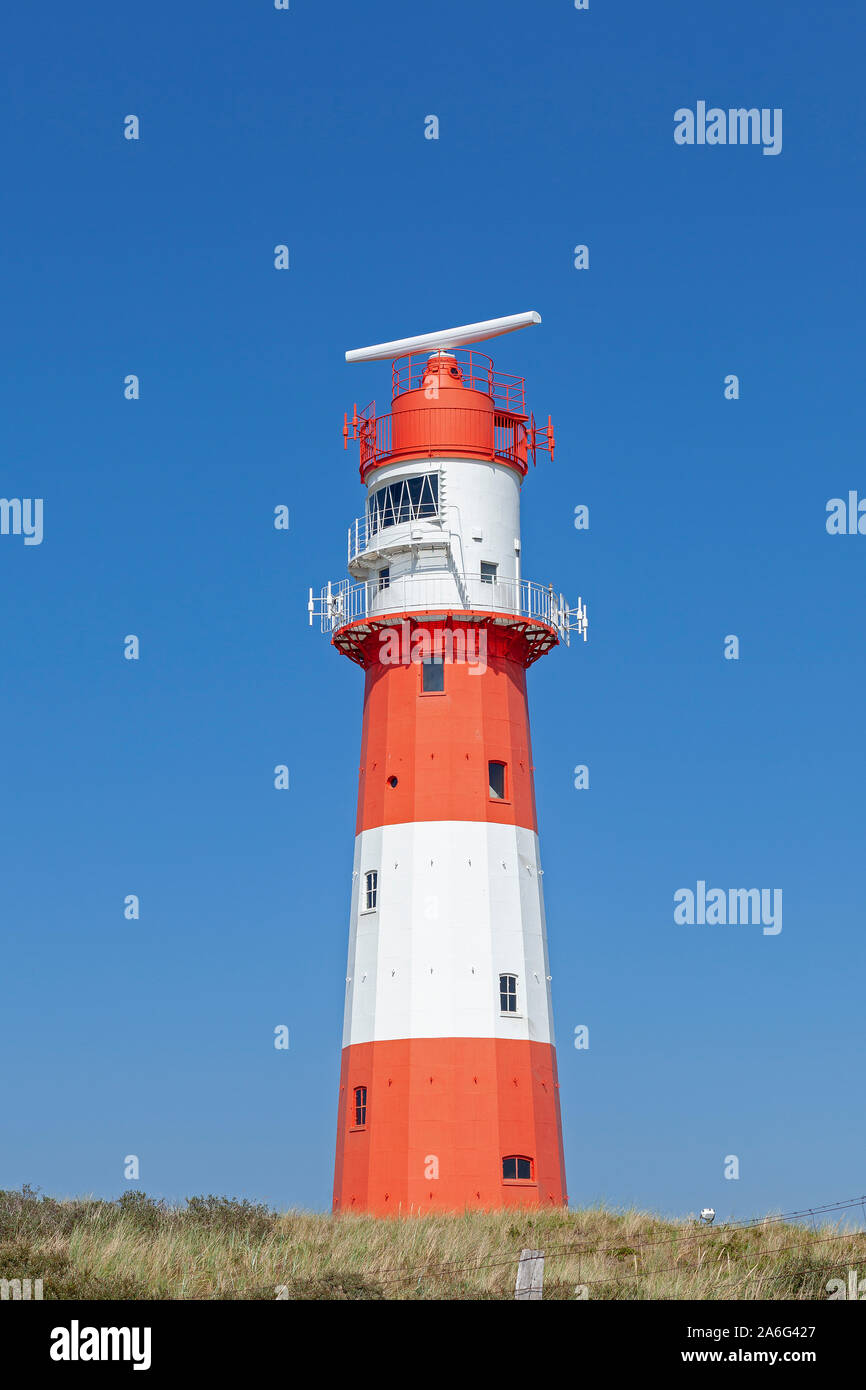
(459, 903)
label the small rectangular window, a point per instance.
(360, 1106)
(516, 1169)
(488, 572)
(496, 779)
(433, 675)
(371, 890)
(508, 994)
(384, 578)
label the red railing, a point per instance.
(476, 372)
(446, 430)
(437, 433)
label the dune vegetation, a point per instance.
(222, 1248)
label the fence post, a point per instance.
(530, 1274)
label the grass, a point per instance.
(221, 1248)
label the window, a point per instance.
(508, 994)
(360, 1106)
(496, 778)
(384, 579)
(488, 572)
(515, 1169)
(433, 675)
(411, 499)
(371, 890)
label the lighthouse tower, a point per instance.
(448, 1090)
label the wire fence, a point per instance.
(708, 1238)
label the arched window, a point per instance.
(516, 1168)
(360, 1107)
(508, 994)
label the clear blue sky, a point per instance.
(707, 517)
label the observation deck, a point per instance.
(350, 612)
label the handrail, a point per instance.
(446, 431)
(439, 433)
(364, 529)
(343, 603)
(477, 372)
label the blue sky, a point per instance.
(707, 517)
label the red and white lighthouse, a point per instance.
(448, 1089)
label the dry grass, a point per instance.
(215, 1248)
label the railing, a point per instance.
(342, 603)
(448, 430)
(476, 372)
(364, 530)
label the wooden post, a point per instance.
(530, 1274)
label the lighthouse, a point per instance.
(449, 1097)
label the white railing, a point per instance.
(344, 602)
(364, 530)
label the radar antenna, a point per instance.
(445, 339)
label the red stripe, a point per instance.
(438, 746)
(466, 1103)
